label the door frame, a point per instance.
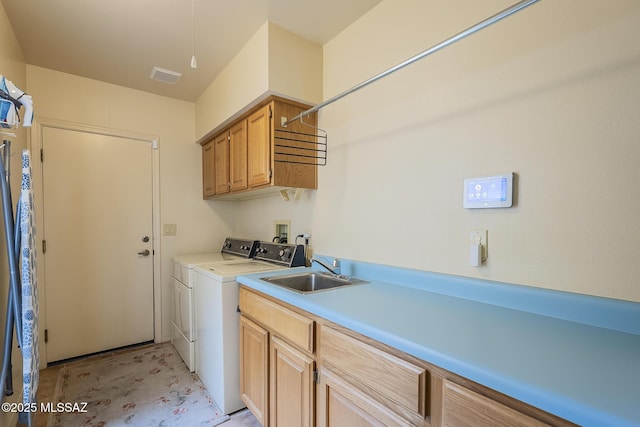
(35, 143)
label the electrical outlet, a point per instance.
(480, 237)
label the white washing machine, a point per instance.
(183, 335)
(218, 318)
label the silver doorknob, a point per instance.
(144, 253)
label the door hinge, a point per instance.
(41, 155)
(316, 376)
(46, 335)
(270, 112)
(44, 246)
(270, 173)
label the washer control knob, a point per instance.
(285, 253)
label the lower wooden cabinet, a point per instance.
(463, 407)
(277, 362)
(340, 404)
(298, 370)
(398, 384)
(291, 386)
(254, 369)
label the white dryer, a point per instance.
(218, 318)
(183, 334)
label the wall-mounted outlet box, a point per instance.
(282, 230)
(478, 248)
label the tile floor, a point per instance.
(49, 378)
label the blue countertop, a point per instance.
(572, 355)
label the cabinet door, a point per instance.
(400, 383)
(208, 173)
(259, 147)
(238, 156)
(254, 374)
(465, 408)
(291, 386)
(221, 163)
(340, 404)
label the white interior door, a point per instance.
(97, 216)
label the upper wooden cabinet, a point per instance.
(208, 170)
(248, 153)
(238, 156)
(259, 146)
(219, 171)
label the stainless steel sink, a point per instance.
(307, 283)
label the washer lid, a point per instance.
(189, 260)
(227, 271)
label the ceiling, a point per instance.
(120, 41)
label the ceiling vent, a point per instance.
(165, 76)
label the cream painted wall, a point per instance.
(201, 225)
(13, 67)
(256, 218)
(295, 66)
(273, 61)
(551, 94)
(244, 79)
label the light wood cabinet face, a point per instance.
(398, 382)
(340, 404)
(252, 161)
(291, 386)
(208, 173)
(221, 163)
(361, 382)
(288, 337)
(259, 147)
(238, 156)
(463, 407)
(293, 327)
(254, 374)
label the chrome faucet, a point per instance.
(336, 266)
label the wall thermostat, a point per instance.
(488, 191)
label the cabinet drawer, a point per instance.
(285, 323)
(463, 407)
(400, 381)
